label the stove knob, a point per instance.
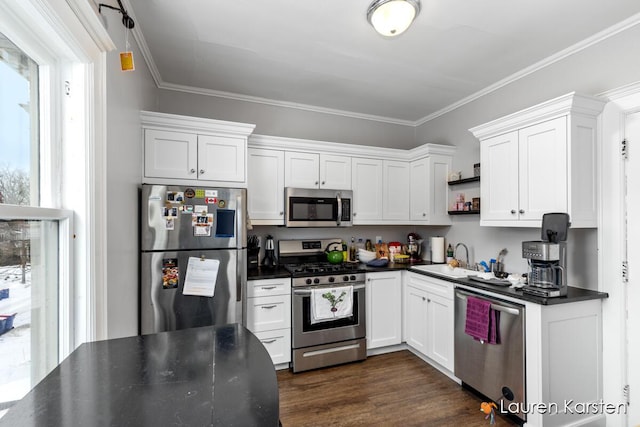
(332, 279)
(352, 278)
(308, 281)
(345, 279)
(316, 280)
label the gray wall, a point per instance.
(289, 122)
(127, 94)
(604, 66)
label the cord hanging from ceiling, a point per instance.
(127, 21)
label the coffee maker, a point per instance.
(269, 260)
(414, 247)
(547, 276)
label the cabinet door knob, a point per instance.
(428, 300)
(316, 183)
(354, 214)
(424, 214)
(513, 211)
(423, 298)
(322, 182)
(281, 213)
(521, 211)
(201, 171)
(192, 171)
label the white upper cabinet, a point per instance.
(266, 186)
(301, 170)
(395, 190)
(222, 158)
(335, 172)
(188, 149)
(314, 170)
(170, 154)
(367, 190)
(540, 160)
(429, 193)
(390, 186)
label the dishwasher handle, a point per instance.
(494, 305)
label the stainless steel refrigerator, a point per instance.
(193, 265)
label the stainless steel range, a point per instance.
(328, 342)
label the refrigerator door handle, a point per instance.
(241, 273)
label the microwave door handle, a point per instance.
(339, 199)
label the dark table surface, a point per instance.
(209, 376)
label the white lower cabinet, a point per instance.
(564, 363)
(384, 309)
(269, 315)
(429, 317)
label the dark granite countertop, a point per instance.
(209, 376)
(267, 273)
(573, 294)
(278, 272)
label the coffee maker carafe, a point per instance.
(269, 259)
(548, 258)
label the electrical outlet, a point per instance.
(378, 239)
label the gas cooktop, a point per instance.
(322, 268)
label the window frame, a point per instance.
(64, 217)
(67, 40)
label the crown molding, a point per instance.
(571, 103)
(152, 119)
(351, 150)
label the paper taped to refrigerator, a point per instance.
(200, 279)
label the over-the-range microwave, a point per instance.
(307, 207)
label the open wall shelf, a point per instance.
(464, 180)
(463, 212)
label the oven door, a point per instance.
(306, 334)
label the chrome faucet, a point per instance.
(455, 251)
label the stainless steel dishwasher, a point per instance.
(495, 370)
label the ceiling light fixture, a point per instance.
(392, 17)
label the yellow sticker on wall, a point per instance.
(126, 61)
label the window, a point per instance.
(19, 105)
(32, 253)
(52, 108)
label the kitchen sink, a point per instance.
(445, 271)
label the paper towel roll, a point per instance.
(437, 249)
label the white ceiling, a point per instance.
(323, 55)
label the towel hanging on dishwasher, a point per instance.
(482, 322)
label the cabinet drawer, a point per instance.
(277, 343)
(433, 286)
(268, 287)
(269, 313)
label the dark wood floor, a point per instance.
(391, 389)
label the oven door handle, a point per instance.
(308, 291)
